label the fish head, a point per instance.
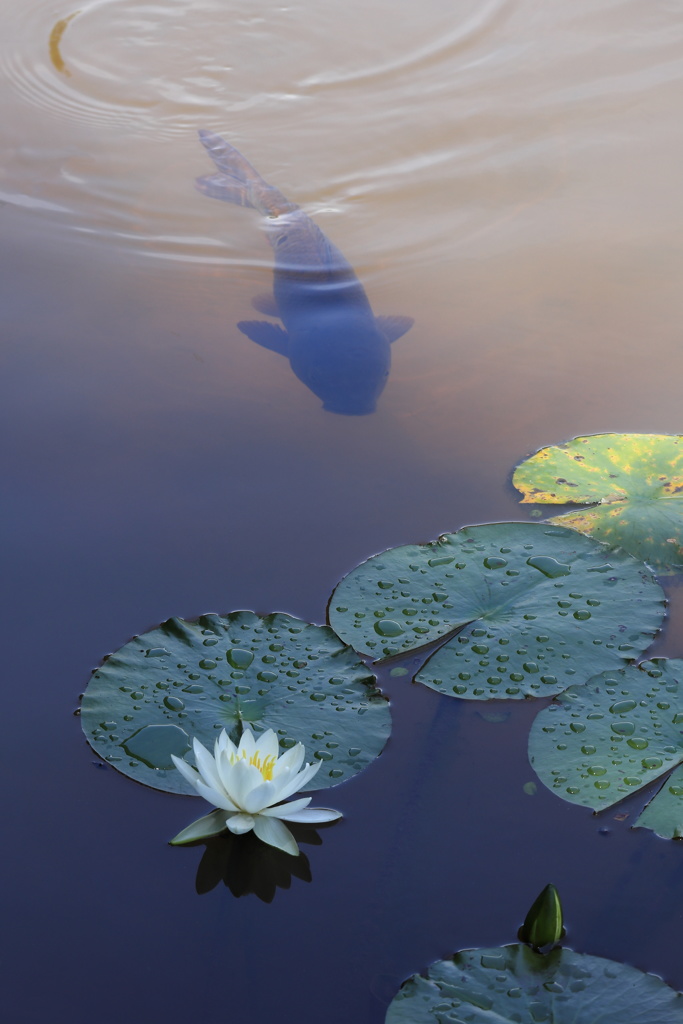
(345, 361)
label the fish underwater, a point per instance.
(334, 342)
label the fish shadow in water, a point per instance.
(335, 344)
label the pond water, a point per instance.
(505, 172)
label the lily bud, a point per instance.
(543, 925)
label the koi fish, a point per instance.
(335, 344)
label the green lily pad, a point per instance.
(637, 479)
(517, 985)
(186, 679)
(537, 607)
(621, 731)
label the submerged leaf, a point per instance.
(192, 679)
(515, 984)
(620, 732)
(538, 608)
(637, 479)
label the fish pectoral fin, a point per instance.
(394, 327)
(266, 304)
(266, 335)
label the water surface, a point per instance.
(508, 174)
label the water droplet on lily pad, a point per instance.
(622, 707)
(549, 566)
(239, 658)
(638, 743)
(174, 703)
(388, 627)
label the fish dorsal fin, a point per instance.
(393, 327)
(266, 304)
(266, 335)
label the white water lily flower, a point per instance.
(248, 784)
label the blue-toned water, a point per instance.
(506, 173)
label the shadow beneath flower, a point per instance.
(246, 865)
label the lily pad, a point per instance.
(537, 608)
(186, 679)
(637, 480)
(517, 985)
(621, 731)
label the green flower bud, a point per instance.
(543, 924)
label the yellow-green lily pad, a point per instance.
(636, 481)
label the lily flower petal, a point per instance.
(189, 774)
(267, 743)
(225, 762)
(259, 797)
(247, 744)
(299, 781)
(281, 783)
(240, 823)
(217, 797)
(291, 760)
(273, 832)
(293, 805)
(243, 778)
(308, 814)
(206, 765)
(223, 742)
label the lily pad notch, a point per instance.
(185, 680)
(533, 608)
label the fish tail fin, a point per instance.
(222, 186)
(237, 181)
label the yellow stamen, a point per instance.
(265, 765)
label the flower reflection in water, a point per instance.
(245, 865)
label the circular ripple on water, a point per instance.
(114, 62)
(109, 94)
